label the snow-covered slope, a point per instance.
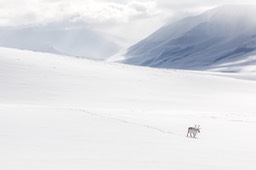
(65, 113)
(223, 38)
(67, 38)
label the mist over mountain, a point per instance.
(222, 39)
(67, 38)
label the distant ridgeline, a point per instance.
(66, 38)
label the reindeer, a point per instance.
(192, 131)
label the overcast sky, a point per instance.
(131, 20)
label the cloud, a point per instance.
(130, 19)
(22, 12)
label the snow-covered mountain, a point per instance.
(223, 38)
(65, 113)
(67, 38)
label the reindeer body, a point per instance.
(192, 131)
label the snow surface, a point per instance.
(224, 35)
(65, 113)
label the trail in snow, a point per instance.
(126, 121)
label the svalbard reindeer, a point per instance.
(192, 131)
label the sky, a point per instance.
(127, 20)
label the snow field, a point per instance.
(63, 113)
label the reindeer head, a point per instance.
(197, 127)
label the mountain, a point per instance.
(63, 113)
(67, 38)
(222, 39)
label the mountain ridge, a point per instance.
(222, 35)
